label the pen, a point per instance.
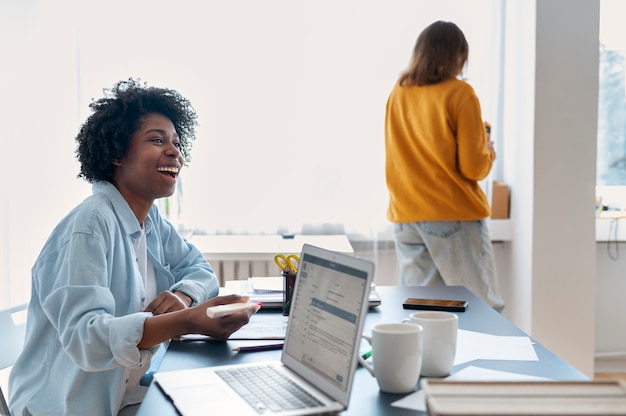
(252, 348)
(366, 355)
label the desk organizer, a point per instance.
(289, 280)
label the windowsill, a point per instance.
(608, 228)
(500, 230)
(611, 224)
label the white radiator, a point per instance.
(241, 270)
(385, 259)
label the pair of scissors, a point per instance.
(288, 263)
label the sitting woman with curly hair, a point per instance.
(115, 280)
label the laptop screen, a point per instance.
(325, 321)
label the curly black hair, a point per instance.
(105, 135)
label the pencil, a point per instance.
(265, 347)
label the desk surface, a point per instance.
(366, 398)
(263, 247)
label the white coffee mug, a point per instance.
(396, 356)
(440, 334)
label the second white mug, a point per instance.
(440, 334)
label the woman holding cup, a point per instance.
(437, 150)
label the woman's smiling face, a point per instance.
(150, 168)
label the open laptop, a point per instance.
(322, 342)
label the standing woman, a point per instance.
(115, 280)
(437, 150)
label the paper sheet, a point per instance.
(275, 328)
(479, 346)
(267, 284)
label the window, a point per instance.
(611, 164)
(290, 97)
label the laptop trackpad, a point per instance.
(200, 392)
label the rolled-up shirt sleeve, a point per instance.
(97, 329)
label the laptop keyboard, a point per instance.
(265, 388)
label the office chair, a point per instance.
(13, 326)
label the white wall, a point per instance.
(551, 134)
(39, 118)
(610, 336)
(518, 121)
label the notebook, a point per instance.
(328, 309)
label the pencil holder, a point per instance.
(289, 281)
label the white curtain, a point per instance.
(290, 95)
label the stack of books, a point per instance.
(549, 398)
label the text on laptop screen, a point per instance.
(325, 309)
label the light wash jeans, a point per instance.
(449, 253)
(130, 410)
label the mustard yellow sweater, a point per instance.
(436, 153)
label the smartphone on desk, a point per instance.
(435, 304)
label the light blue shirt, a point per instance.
(85, 315)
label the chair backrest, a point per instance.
(4, 408)
(13, 329)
